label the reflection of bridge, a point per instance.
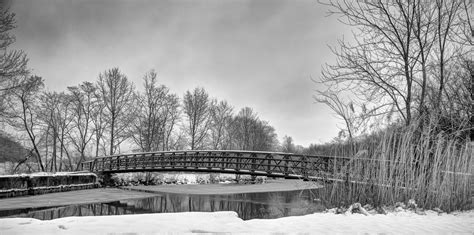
(254, 163)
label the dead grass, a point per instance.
(433, 167)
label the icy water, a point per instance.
(267, 205)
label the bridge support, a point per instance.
(253, 179)
(105, 179)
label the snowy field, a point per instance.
(405, 222)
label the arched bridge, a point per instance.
(272, 164)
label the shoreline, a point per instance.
(99, 195)
(102, 195)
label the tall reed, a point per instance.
(414, 162)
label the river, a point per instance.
(264, 205)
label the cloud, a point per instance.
(252, 53)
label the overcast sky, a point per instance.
(259, 54)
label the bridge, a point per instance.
(255, 163)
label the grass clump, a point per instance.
(419, 161)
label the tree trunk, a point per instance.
(32, 139)
(112, 126)
(97, 143)
(423, 84)
(53, 163)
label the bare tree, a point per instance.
(22, 111)
(148, 131)
(287, 145)
(12, 62)
(250, 133)
(221, 117)
(343, 110)
(117, 94)
(64, 119)
(379, 66)
(197, 110)
(423, 29)
(99, 121)
(82, 100)
(398, 55)
(466, 26)
(50, 104)
(447, 12)
(242, 126)
(264, 137)
(171, 117)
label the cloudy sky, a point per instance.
(259, 54)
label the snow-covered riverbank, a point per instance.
(213, 222)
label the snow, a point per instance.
(177, 177)
(219, 222)
(39, 174)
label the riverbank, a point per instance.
(71, 197)
(45, 182)
(231, 188)
(228, 222)
(134, 192)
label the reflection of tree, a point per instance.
(247, 205)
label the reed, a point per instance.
(413, 162)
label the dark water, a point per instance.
(247, 205)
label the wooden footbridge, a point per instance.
(272, 164)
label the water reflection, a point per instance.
(247, 205)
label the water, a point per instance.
(247, 205)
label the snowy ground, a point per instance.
(224, 222)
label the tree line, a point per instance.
(99, 118)
(61, 129)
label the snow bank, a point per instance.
(39, 174)
(216, 222)
(45, 182)
(158, 178)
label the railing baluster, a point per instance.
(269, 160)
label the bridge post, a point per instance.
(135, 162)
(253, 178)
(239, 160)
(185, 160)
(286, 172)
(225, 161)
(254, 162)
(269, 162)
(304, 167)
(142, 161)
(126, 162)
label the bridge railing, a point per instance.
(253, 162)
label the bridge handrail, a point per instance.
(237, 151)
(214, 151)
